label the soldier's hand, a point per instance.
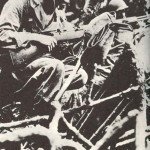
(88, 10)
(49, 41)
(6, 35)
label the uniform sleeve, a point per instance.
(10, 23)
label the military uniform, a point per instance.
(41, 76)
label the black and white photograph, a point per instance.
(74, 74)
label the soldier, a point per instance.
(94, 8)
(21, 23)
(104, 5)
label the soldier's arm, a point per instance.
(10, 23)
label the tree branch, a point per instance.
(134, 88)
(99, 101)
(113, 129)
(74, 130)
(25, 122)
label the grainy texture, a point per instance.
(74, 74)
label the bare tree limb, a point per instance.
(55, 140)
(99, 101)
(25, 122)
(113, 129)
(125, 142)
(140, 133)
(52, 133)
(70, 143)
(131, 89)
(68, 81)
(21, 133)
(79, 135)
